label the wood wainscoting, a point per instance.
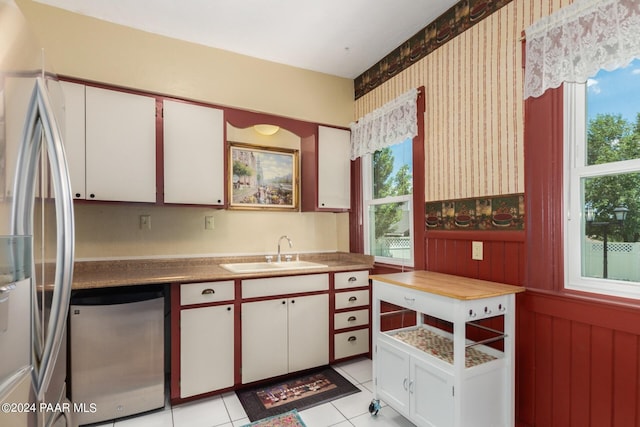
(503, 255)
(577, 361)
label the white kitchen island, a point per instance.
(444, 348)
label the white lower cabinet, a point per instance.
(414, 388)
(284, 335)
(206, 349)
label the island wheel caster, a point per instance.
(374, 407)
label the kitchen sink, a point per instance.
(261, 267)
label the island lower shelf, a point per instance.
(439, 346)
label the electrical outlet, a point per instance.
(208, 223)
(476, 251)
(145, 222)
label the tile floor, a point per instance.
(226, 411)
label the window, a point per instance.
(602, 183)
(388, 211)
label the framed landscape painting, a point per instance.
(262, 177)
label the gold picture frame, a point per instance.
(262, 177)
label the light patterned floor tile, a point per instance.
(202, 413)
(354, 404)
(154, 419)
(234, 407)
(322, 416)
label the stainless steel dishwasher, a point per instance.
(117, 353)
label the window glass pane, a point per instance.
(393, 171)
(390, 230)
(613, 130)
(610, 247)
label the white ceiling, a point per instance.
(337, 37)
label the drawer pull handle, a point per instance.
(501, 307)
(352, 299)
(471, 313)
(351, 338)
(228, 308)
(351, 319)
(404, 384)
(487, 311)
(208, 291)
(352, 279)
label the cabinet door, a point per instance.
(334, 168)
(120, 146)
(264, 339)
(193, 154)
(73, 131)
(393, 376)
(431, 391)
(308, 332)
(206, 349)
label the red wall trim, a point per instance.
(543, 151)
(577, 308)
(419, 187)
(356, 230)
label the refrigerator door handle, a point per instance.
(41, 122)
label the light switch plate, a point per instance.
(145, 222)
(476, 251)
(208, 223)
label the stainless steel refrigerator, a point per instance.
(37, 233)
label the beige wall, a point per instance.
(91, 49)
(474, 115)
(94, 50)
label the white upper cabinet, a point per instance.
(120, 146)
(193, 154)
(334, 168)
(73, 131)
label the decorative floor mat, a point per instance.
(304, 391)
(440, 347)
(288, 419)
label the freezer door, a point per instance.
(41, 135)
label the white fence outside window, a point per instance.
(623, 260)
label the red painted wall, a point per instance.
(577, 355)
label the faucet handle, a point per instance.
(269, 258)
(287, 257)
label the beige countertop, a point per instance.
(104, 274)
(458, 287)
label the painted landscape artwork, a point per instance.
(263, 177)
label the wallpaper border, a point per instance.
(459, 18)
(506, 212)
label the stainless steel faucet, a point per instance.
(278, 259)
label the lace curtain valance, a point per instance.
(572, 44)
(388, 125)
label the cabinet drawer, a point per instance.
(205, 292)
(351, 319)
(351, 279)
(351, 343)
(253, 288)
(352, 299)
